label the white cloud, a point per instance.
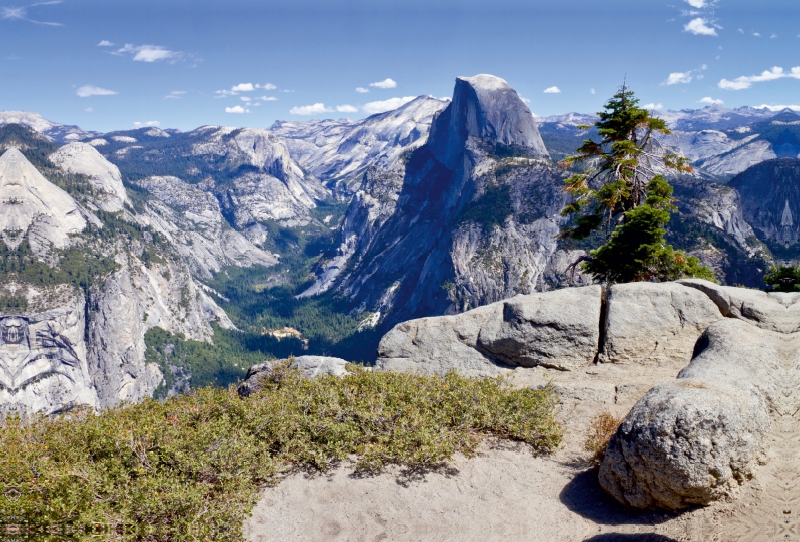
(346, 109)
(744, 82)
(91, 90)
(316, 109)
(175, 95)
(88, 109)
(372, 108)
(678, 78)
(149, 123)
(286, 90)
(362, 90)
(268, 86)
(699, 4)
(552, 90)
(778, 107)
(149, 53)
(756, 34)
(699, 27)
(21, 14)
(711, 101)
(245, 99)
(526, 100)
(386, 83)
(591, 90)
(243, 87)
(653, 106)
(773, 36)
(105, 43)
(268, 99)
(236, 109)
(741, 31)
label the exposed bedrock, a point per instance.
(698, 438)
(309, 366)
(690, 441)
(563, 329)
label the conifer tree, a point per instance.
(624, 197)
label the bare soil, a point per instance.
(506, 493)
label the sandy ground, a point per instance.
(508, 494)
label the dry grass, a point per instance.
(601, 428)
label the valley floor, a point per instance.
(507, 494)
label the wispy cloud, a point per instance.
(175, 95)
(21, 13)
(362, 90)
(744, 82)
(346, 109)
(235, 90)
(652, 106)
(149, 123)
(236, 109)
(106, 43)
(700, 27)
(372, 108)
(676, 78)
(308, 110)
(710, 101)
(88, 110)
(149, 53)
(386, 83)
(91, 90)
(552, 90)
(268, 99)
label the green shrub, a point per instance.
(191, 467)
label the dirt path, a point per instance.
(507, 494)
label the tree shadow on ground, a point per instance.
(584, 496)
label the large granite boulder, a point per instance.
(440, 344)
(695, 440)
(559, 329)
(655, 323)
(309, 366)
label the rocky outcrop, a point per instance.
(309, 366)
(34, 208)
(655, 323)
(564, 329)
(82, 158)
(558, 329)
(697, 439)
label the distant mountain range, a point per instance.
(337, 228)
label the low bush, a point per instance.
(601, 428)
(191, 467)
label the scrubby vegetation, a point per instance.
(190, 468)
(601, 428)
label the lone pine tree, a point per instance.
(623, 196)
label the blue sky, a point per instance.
(169, 60)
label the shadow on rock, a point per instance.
(584, 496)
(617, 537)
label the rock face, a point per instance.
(105, 177)
(770, 199)
(192, 221)
(339, 152)
(432, 227)
(58, 133)
(654, 323)
(43, 358)
(33, 207)
(697, 439)
(309, 366)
